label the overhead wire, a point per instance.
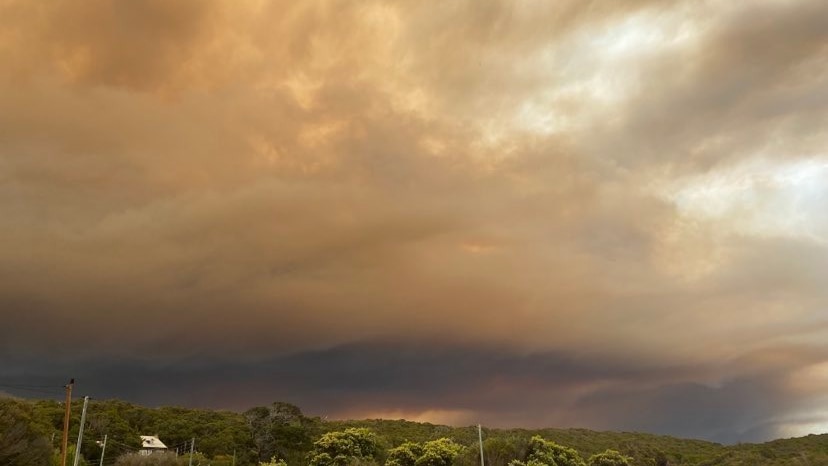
(50, 390)
(113, 446)
(121, 445)
(27, 385)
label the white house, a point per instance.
(151, 444)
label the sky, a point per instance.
(593, 214)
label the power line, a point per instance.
(115, 447)
(116, 452)
(26, 385)
(123, 445)
(49, 390)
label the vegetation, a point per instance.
(544, 452)
(156, 459)
(23, 438)
(609, 458)
(273, 462)
(281, 435)
(440, 452)
(353, 445)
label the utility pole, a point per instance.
(103, 450)
(480, 438)
(68, 404)
(80, 431)
(192, 446)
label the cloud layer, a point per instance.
(600, 215)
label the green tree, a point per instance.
(543, 452)
(273, 462)
(155, 459)
(609, 458)
(440, 452)
(279, 430)
(499, 451)
(22, 442)
(344, 447)
(406, 454)
(644, 454)
(70, 455)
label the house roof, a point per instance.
(151, 441)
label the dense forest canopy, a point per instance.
(280, 434)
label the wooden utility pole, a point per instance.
(68, 403)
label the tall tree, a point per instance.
(609, 458)
(406, 454)
(545, 452)
(22, 442)
(341, 448)
(280, 430)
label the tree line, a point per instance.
(281, 435)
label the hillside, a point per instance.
(281, 430)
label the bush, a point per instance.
(609, 458)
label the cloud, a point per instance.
(632, 184)
(736, 90)
(464, 385)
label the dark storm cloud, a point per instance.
(458, 384)
(601, 200)
(746, 407)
